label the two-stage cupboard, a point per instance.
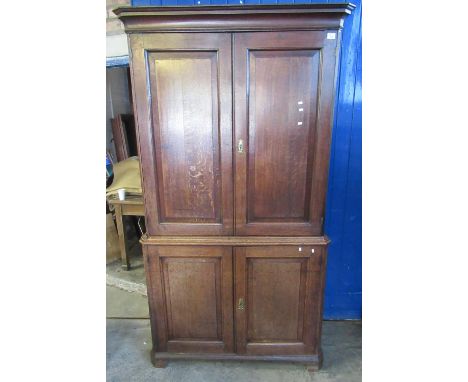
(234, 109)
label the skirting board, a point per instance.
(312, 361)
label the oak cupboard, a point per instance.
(234, 109)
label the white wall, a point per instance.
(116, 45)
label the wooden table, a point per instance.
(131, 206)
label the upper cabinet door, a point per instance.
(284, 86)
(183, 96)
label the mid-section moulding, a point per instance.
(234, 240)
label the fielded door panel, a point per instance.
(190, 295)
(278, 299)
(283, 91)
(182, 91)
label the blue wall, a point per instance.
(343, 215)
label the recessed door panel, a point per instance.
(184, 122)
(190, 293)
(185, 94)
(272, 282)
(283, 92)
(282, 109)
(278, 295)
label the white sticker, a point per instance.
(300, 103)
(299, 123)
(331, 36)
(301, 109)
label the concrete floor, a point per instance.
(129, 344)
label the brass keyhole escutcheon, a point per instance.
(240, 146)
(241, 304)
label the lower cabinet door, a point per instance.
(278, 299)
(190, 295)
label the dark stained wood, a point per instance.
(265, 318)
(210, 203)
(192, 292)
(318, 304)
(312, 361)
(129, 82)
(123, 131)
(187, 149)
(185, 131)
(159, 363)
(280, 286)
(129, 125)
(283, 92)
(282, 109)
(234, 240)
(234, 18)
(120, 138)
